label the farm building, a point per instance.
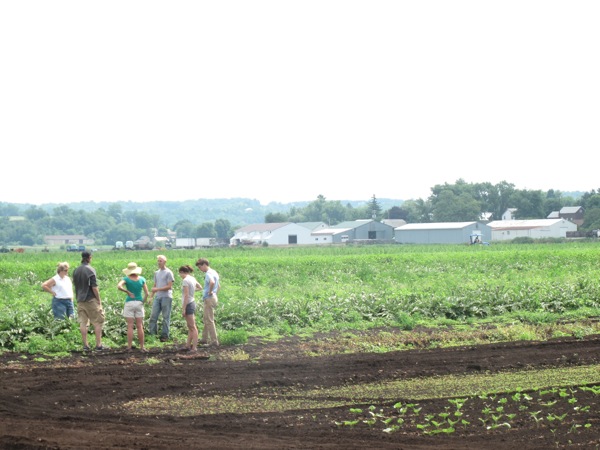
(505, 230)
(66, 239)
(355, 230)
(283, 233)
(571, 213)
(394, 222)
(509, 214)
(443, 233)
(331, 235)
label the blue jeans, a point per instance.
(62, 308)
(164, 305)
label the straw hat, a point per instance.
(132, 268)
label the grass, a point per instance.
(273, 293)
(269, 400)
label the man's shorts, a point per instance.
(133, 309)
(90, 312)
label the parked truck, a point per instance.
(206, 242)
(189, 243)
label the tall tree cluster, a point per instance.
(456, 202)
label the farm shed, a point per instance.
(442, 233)
(66, 239)
(505, 230)
(284, 233)
(394, 222)
(509, 214)
(572, 214)
(331, 235)
(363, 230)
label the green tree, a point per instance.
(374, 208)
(115, 210)
(450, 207)
(529, 204)
(315, 211)
(34, 213)
(120, 232)
(276, 218)
(396, 212)
(184, 228)
(207, 229)
(223, 229)
(419, 211)
(553, 202)
(590, 200)
(591, 220)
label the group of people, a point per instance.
(134, 285)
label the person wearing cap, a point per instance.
(89, 304)
(162, 302)
(133, 284)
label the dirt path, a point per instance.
(77, 403)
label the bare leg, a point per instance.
(139, 323)
(192, 332)
(129, 331)
(98, 333)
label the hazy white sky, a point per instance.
(286, 100)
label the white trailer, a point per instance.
(185, 243)
(206, 242)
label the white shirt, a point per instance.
(63, 287)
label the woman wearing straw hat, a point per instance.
(133, 284)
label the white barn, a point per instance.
(442, 233)
(505, 230)
(283, 233)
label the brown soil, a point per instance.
(77, 402)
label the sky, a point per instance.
(288, 100)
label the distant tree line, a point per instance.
(107, 223)
(105, 226)
(458, 202)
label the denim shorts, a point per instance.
(190, 308)
(62, 308)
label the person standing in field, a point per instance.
(89, 304)
(61, 288)
(210, 301)
(162, 294)
(133, 284)
(188, 288)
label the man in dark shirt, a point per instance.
(89, 304)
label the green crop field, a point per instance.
(283, 291)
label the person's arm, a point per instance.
(48, 285)
(168, 286)
(145, 292)
(96, 292)
(185, 291)
(121, 287)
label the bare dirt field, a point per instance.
(84, 401)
